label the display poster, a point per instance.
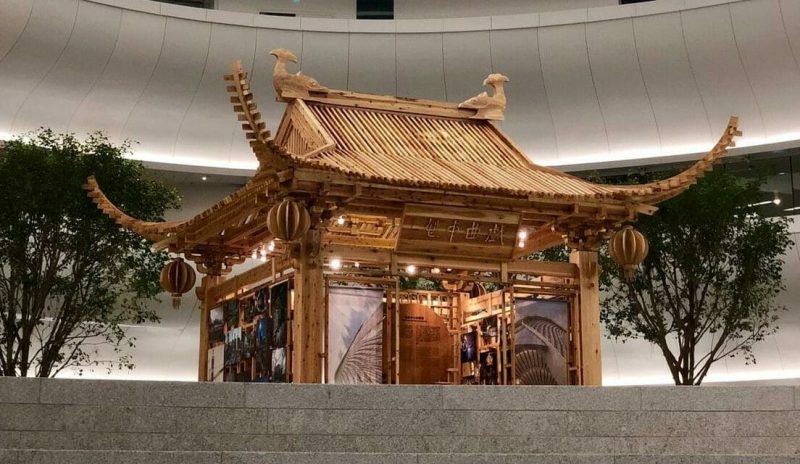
(425, 345)
(216, 364)
(355, 335)
(277, 336)
(216, 325)
(469, 342)
(541, 341)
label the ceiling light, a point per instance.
(411, 269)
(335, 264)
(205, 178)
(522, 234)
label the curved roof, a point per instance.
(590, 85)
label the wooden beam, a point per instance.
(309, 311)
(205, 308)
(589, 315)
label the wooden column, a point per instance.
(589, 313)
(202, 294)
(309, 311)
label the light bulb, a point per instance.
(435, 270)
(522, 235)
(271, 246)
(357, 264)
(340, 220)
(411, 269)
(335, 264)
(521, 244)
(777, 201)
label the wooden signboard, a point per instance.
(425, 348)
(461, 232)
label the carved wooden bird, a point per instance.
(297, 84)
(489, 106)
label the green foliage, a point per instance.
(69, 276)
(707, 288)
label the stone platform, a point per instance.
(83, 421)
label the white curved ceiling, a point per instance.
(593, 85)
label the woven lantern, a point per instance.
(288, 220)
(177, 278)
(628, 248)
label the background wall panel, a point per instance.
(325, 56)
(770, 65)
(420, 67)
(12, 22)
(67, 83)
(671, 86)
(515, 53)
(125, 77)
(36, 51)
(210, 115)
(372, 63)
(717, 66)
(624, 101)
(158, 114)
(467, 62)
(580, 130)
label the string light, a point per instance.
(335, 264)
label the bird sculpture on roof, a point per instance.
(489, 107)
(291, 85)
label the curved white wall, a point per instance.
(597, 85)
(408, 9)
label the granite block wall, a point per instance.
(93, 421)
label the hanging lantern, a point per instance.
(177, 278)
(288, 220)
(628, 248)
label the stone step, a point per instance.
(397, 444)
(488, 398)
(27, 456)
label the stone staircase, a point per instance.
(88, 422)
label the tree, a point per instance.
(707, 288)
(69, 276)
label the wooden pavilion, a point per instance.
(398, 186)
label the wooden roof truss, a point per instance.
(362, 162)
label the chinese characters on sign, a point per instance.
(471, 231)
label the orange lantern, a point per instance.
(628, 248)
(288, 220)
(177, 278)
